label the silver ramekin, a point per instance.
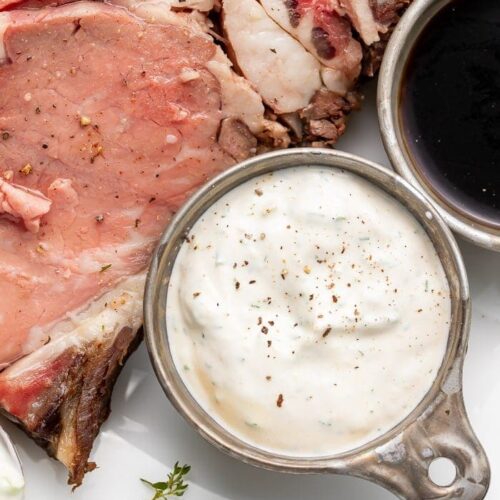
(396, 56)
(437, 427)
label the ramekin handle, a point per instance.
(402, 464)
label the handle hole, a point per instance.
(442, 471)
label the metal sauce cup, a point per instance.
(437, 427)
(398, 51)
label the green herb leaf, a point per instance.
(160, 486)
(174, 486)
(105, 268)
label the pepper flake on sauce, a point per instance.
(279, 401)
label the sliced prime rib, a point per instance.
(111, 114)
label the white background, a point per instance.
(144, 435)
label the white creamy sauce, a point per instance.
(11, 475)
(308, 312)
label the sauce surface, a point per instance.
(450, 107)
(308, 312)
(11, 475)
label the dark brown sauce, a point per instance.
(450, 107)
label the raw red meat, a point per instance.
(151, 138)
(30, 4)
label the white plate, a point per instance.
(144, 435)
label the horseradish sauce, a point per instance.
(307, 311)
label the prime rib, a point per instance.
(111, 114)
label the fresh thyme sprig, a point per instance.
(174, 486)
